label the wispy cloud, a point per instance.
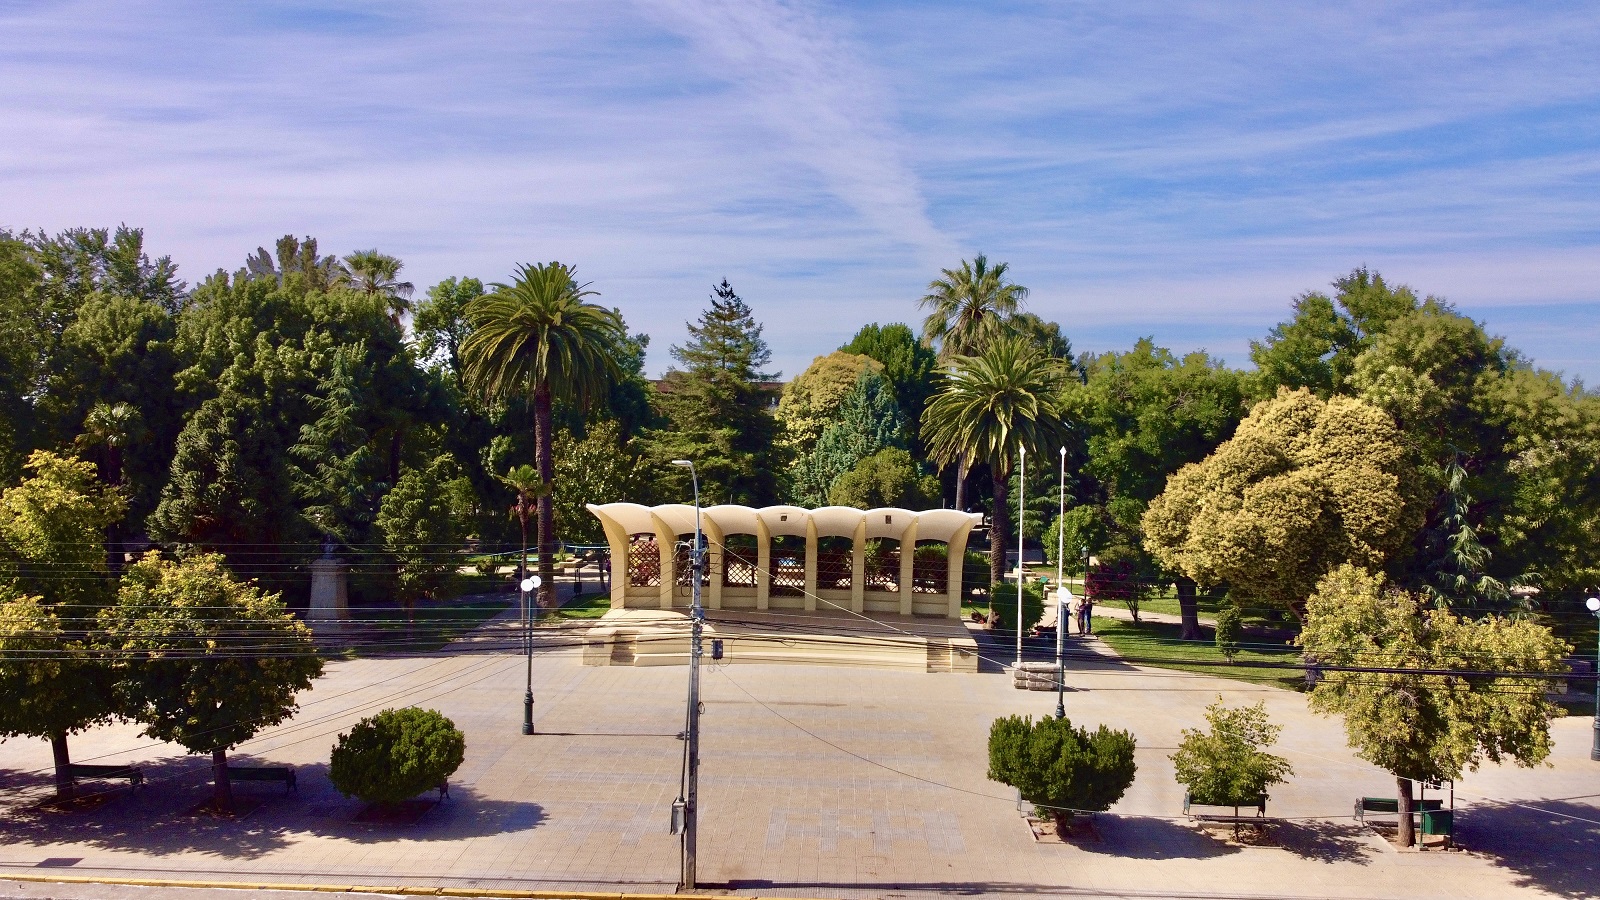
(1176, 169)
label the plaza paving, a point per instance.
(824, 782)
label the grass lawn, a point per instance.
(1157, 645)
(592, 604)
(435, 624)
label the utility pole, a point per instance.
(684, 808)
(1062, 594)
(1022, 490)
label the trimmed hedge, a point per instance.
(396, 755)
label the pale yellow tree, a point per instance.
(1303, 486)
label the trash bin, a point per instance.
(1439, 822)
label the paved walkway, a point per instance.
(825, 782)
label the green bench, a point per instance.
(1391, 805)
(1260, 806)
(132, 773)
(284, 774)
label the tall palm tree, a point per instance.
(1005, 398)
(378, 274)
(537, 338)
(111, 427)
(967, 308)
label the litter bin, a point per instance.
(1440, 822)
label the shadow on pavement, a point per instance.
(156, 821)
(1329, 842)
(1549, 847)
(1133, 837)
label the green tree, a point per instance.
(812, 400)
(866, 421)
(335, 470)
(55, 683)
(716, 409)
(378, 275)
(1227, 765)
(396, 755)
(108, 430)
(1146, 413)
(1428, 727)
(600, 468)
(422, 533)
(1061, 768)
(537, 338)
(210, 660)
(441, 324)
(909, 366)
(1230, 626)
(1302, 487)
(989, 407)
(889, 477)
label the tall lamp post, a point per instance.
(1022, 490)
(1594, 749)
(528, 585)
(684, 806)
(1063, 596)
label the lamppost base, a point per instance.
(1594, 749)
(527, 715)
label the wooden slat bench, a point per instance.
(284, 774)
(132, 773)
(1391, 806)
(1260, 807)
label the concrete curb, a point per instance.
(402, 890)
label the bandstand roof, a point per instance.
(887, 522)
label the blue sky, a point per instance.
(1167, 169)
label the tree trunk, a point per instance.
(222, 789)
(1189, 608)
(113, 477)
(1407, 833)
(547, 536)
(65, 787)
(999, 531)
(961, 483)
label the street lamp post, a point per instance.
(697, 615)
(1022, 489)
(528, 585)
(1594, 749)
(1062, 594)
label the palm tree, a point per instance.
(967, 307)
(536, 337)
(378, 274)
(1005, 398)
(111, 427)
(523, 479)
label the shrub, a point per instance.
(395, 755)
(1227, 766)
(1059, 768)
(1230, 625)
(1005, 606)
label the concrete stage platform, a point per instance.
(657, 637)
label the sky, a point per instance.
(1166, 169)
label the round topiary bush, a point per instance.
(1005, 606)
(396, 755)
(1061, 768)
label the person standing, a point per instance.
(1085, 613)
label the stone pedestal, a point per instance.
(330, 604)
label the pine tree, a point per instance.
(716, 407)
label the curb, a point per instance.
(402, 890)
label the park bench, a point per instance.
(284, 774)
(1392, 806)
(132, 773)
(1260, 807)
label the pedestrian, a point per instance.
(1086, 614)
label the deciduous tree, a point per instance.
(1428, 726)
(210, 661)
